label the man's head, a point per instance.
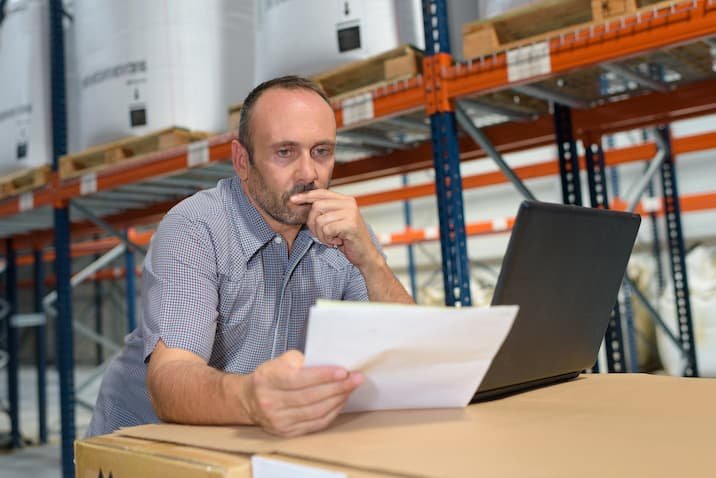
(287, 135)
(290, 82)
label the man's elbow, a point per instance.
(157, 397)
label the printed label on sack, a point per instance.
(268, 468)
(198, 153)
(358, 108)
(528, 61)
(27, 201)
(88, 184)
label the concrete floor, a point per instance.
(34, 460)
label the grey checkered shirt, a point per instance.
(219, 282)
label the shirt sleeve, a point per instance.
(355, 285)
(180, 288)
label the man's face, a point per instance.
(294, 134)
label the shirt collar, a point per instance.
(253, 231)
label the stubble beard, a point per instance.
(278, 205)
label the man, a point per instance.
(231, 274)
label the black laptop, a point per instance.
(563, 267)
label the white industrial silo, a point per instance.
(145, 65)
(25, 137)
(310, 36)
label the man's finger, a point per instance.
(311, 395)
(308, 377)
(307, 417)
(322, 220)
(309, 426)
(313, 196)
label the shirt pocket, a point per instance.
(236, 293)
(328, 281)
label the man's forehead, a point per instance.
(293, 115)
(278, 97)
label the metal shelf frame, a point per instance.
(139, 192)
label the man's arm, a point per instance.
(381, 283)
(281, 396)
(335, 220)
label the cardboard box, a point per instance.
(121, 456)
(593, 426)
(114, 455)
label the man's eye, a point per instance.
(284, 152)
(322, 152)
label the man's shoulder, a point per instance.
(207, 206)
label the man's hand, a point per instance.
(287, 399)
(335, 220)
(281, 395)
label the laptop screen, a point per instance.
(563, 267)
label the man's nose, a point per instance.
(307, 168)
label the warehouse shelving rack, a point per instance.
(386, 129)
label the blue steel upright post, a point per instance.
(40, 345)
(408, 213)
(568, 157)
(13, 346)
(677, 255)
(446, 160)
(64, 347)
(131, 288)
(598, 197)
(98, 317)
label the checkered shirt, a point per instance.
(219, 282)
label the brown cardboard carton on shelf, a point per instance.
(592, 426)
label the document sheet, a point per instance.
(411, 356)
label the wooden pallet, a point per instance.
(104, 155)
(364, 75)
(394, 65)
(539, 20)
(23, 181)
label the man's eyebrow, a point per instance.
(284, 143)
(328, 142)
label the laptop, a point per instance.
(563, 267)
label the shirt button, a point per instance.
(277, 240)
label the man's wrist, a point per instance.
(374, 264)
(239, 388)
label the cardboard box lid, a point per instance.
(115, 455)
(595, 424)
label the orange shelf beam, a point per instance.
(591, 44)
(689, 203)
(85, 248)
(152, 165)
(687, 101)
(686, 144)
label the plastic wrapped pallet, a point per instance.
(145, 65)
(340, 32)
(25, 138)
(701, 269)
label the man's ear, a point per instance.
(240, 160)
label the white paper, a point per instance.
(268, 468)
(411, 356)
